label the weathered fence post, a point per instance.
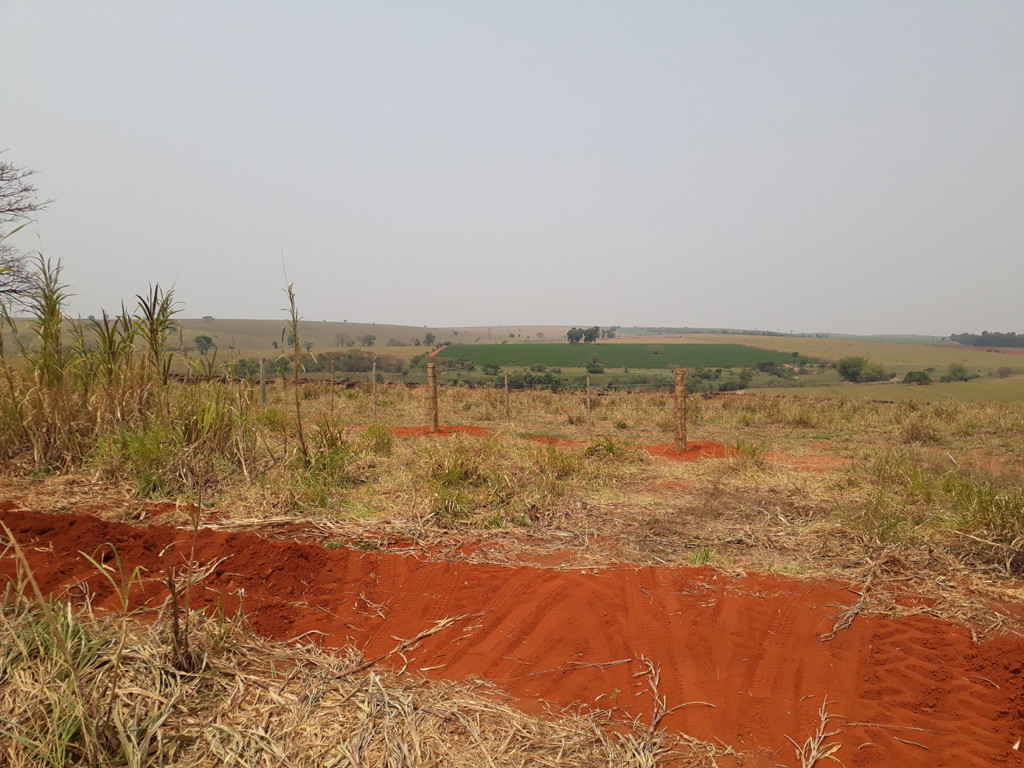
(263, 382)
(508, 410)
(432, 395)
(680, 414)
(374, 389)
(590, 423)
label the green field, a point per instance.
(639, 356)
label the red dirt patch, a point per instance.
(695, 451)
(810, 463)
(740, 658)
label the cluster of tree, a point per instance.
(350, 361)
(958, 372)
(859, 370)
(986, 339)
(917, 377)
(775, 369)
(588, 335)
(344, 340)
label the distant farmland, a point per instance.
(617, 355)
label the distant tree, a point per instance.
(957, 372)
(367, 340)
(340, 339)
(987, 339)
(246, 368)
(917, 377)
(655, 350)
(429, 339)
(575, 335)
(590, 334)
(851, 367)
(1004, 371)
(308, 345)
(873, 372)
(203, 343)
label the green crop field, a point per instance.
(640, 356)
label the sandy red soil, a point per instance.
(741, 659)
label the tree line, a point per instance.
(988, 339)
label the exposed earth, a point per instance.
(746, 662)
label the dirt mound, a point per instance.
(741, 660)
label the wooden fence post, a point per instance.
(263, 382)
(590, 423)
(508, 410)
(374, 389)
(432, 395)
(680, 411)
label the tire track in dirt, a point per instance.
(748, 646)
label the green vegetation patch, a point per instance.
(617, 355)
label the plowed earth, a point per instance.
(741, 660)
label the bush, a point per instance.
(957, 372)
(873, 372)
(917, 377)
(851, 367)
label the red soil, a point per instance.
(740, 658)
(695, 451)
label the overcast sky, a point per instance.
(809, 166)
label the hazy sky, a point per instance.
(810, 166)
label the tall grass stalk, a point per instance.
(293, 326)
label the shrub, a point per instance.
(851, 367)
(917, 377)
(957, 372)
(873, 372)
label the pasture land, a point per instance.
(982, 390)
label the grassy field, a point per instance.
(983, 390)
(658, 356)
